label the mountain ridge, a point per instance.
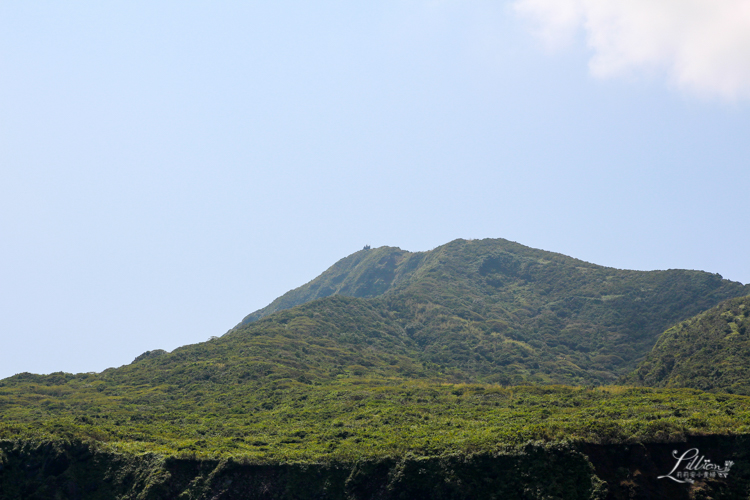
(342, 278)
(573, 321)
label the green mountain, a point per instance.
(709, 352)
(500, 312)
(366, 273)
(391, 375)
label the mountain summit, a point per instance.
(497, 311)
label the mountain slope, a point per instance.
(497, 311)
(709, 352)
(390, 362)
(366, 273)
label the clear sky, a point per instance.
(168, 167)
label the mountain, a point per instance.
(709, 352)
(367, 273)
(497, 311)
(393, 375)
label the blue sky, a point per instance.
(167, 168)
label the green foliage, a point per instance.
(391, 354)
(367, 273)
(348, 419)
(708, 352)
(499, 312)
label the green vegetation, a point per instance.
(708, 352)
(473, 351)
(499, 312)
(353, 419)
(367, 273)
(335, 379)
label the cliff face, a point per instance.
(76, 471)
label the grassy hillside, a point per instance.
(351, 419)
(335, 379)
(709, 352)
(394, 357)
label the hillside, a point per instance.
(366, 273)
(709, 352)
(500, 312)
(389, 369)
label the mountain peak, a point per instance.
(498, 311)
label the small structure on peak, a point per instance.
(366, 247)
